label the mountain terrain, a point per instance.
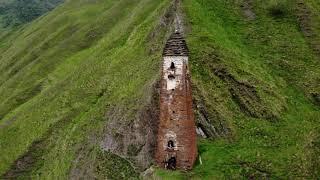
(79, 87)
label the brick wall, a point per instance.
(177, 123)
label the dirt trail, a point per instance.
(247, 8)
(178, 17)
(178, 21)
(305, 21)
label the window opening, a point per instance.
(171, 76)
(172, 66)
(170, 144)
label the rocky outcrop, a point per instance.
(133, 139)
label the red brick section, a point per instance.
(177, 120)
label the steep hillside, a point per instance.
(67, 75)
(256, 72)
(79, 92)
(16, 12)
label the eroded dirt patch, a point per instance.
(211, 123)
(94, 163)
(127, 141)
(245, 95)
(304, 16)
(134, 139)
(165, 26)
(247, 9)
(24, 166)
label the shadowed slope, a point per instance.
(62, 74)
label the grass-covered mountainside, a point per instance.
(15, 12)
(256, 68)
(79, 89)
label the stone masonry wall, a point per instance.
(176, 115)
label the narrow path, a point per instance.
(306, 26)
(178, 20)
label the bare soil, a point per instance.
(304, 16)
(212, 123)
(247, 9)
(245, 95)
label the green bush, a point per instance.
(278, 8)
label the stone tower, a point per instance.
(176, 143)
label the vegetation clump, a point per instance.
(278, 9)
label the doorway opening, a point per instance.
(171, 163)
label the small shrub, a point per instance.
(277, 9)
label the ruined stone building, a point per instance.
(176, 144)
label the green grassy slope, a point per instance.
(16, 12)
(63, 72)
(279, 75)
(87, 64)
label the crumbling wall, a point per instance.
(176, 115)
